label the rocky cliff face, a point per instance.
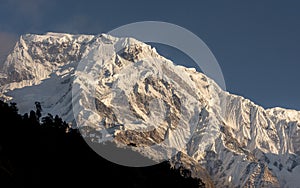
(133, 96)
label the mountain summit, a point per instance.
(133, 96)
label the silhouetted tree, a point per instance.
(38, 108)
(13, 107)
(25, 117)
(47, 155)
(47, 120)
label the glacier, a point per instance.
(126, 90)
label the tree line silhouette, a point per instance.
(38, 151)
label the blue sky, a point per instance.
(257, 43)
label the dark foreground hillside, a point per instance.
(34, 154)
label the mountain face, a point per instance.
(133, 96)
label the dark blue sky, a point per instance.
(257, 44)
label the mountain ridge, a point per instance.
(238, 142)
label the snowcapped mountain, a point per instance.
(124, 89)
(41, 68)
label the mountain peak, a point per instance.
(133, 96)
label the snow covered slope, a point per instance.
(41, 68)
(125, 89)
